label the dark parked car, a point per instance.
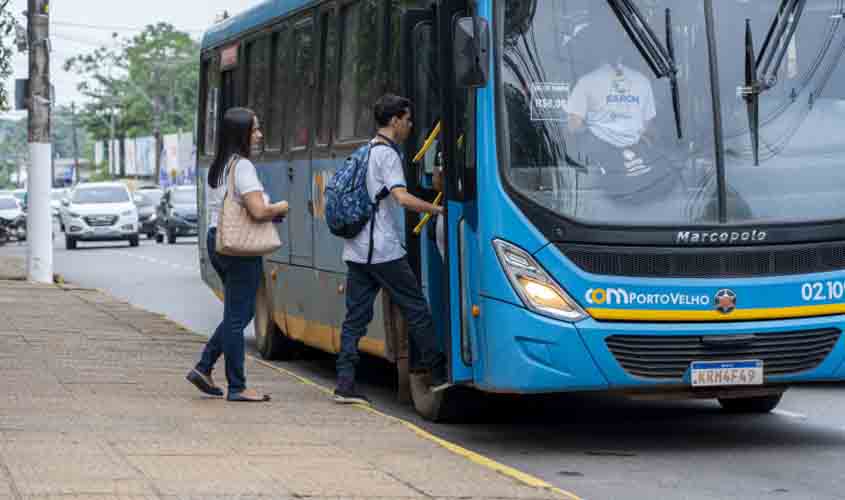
(147, 201)
(177, 214)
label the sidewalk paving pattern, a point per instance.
(95, 407)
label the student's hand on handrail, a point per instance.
(425, 220)
(411, 202)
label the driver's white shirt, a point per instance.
(616, 103)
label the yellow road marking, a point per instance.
(470, 455)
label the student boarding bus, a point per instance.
(643, 196)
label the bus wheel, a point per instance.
(758, 404)
(441, 406)
(271, 341)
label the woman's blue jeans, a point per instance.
(241, 277)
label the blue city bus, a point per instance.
(643, 196)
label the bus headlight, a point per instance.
(538, 291)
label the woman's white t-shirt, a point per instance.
(246, 181)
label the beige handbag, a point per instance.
(238, 233)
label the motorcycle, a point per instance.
(5, 231)
(12, 228)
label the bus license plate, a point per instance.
(721, 373)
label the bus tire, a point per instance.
(757, 404)
(270, 340)
(441, 406)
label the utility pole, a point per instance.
(75, 141)
(157, 121)
(112, 153)
(39, 218)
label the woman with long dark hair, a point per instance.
(240, 275)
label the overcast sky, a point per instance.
(101, 17)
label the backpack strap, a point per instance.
(381, 195)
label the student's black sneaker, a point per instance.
(350, 398)
(346, 394)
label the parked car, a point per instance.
(56, 197)
(177, 214)
(147, 201)
(100, 212)
(13, 218)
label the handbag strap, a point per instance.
(230, 178)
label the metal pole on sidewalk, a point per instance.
(75, 143)
(39, 221)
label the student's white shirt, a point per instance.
(616, 102)
(246, 181)
(385, 172)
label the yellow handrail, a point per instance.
(427, 217)
(428, 143)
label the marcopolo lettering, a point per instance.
(720, 237)
(622, 297)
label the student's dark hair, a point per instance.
(389, 106)
(234, 139)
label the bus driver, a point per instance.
(616, 105)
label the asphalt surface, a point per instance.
(596, 446)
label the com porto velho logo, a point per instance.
(623, 297)
(720, 237)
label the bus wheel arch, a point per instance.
(413, 387)
(441, 406)
(272, 343)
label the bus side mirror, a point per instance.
(471, 51)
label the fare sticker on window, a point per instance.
(548, 101)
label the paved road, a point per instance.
(596, 446)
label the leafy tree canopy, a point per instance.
(157, 68)
(7, 48)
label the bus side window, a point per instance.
(359, 70)
(426, 94)
(398, 8)
(211, 86)
(302, 75)
(465, 150)
(278, 89)
(328, 76)
(258, 80)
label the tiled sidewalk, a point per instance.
(95, 406)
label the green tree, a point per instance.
(149, 81)
(14, 152)
(7, 28)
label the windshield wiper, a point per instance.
(761, 70)
(660, 58)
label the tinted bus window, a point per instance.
(397, 10)
(258, 79)
(278, 89)
(300, 84)
(328, 75)
(359, 59)
(212, 89)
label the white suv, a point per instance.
(99, 212)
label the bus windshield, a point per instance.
(608, 113)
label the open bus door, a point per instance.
(442, 114)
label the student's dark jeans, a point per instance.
(241, 277)
(363, 283)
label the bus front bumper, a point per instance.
(527, 353)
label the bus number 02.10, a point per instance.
(822, 291)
